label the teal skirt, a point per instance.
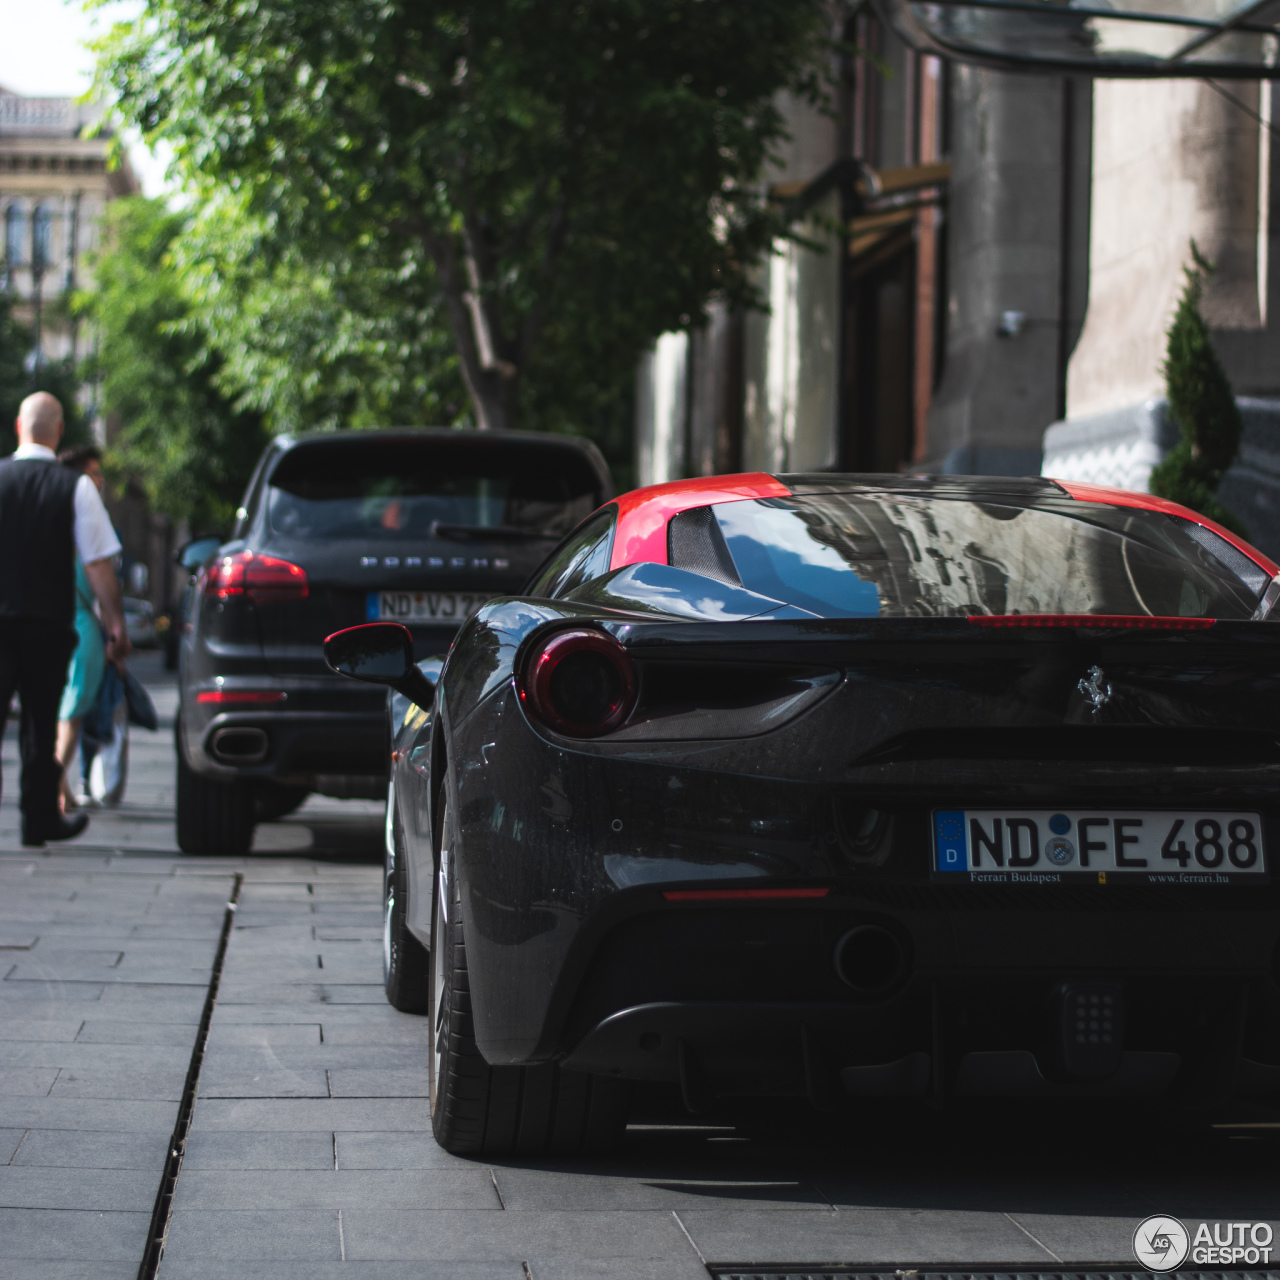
(84, 675)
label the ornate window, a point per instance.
(15, 226)
(42, 239)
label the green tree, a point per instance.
(322, 343)
(58, 377)
(1203, 406)
(573, 176)
(179, 434)
(15, 382)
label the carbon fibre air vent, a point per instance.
(802, 1272)
(1254, 576)
(695, 543)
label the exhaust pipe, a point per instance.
(870, 959)
(239, 745)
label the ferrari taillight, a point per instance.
(580, 682)
(258, 576)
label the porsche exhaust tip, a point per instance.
(870, 959)
(239, 745)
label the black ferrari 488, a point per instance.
(846, 788)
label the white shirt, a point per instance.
(95, 538)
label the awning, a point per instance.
(1215, 39)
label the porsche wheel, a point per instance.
(406, 966)
(479, 1109)
(212, 817)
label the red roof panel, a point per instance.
(1149, 502)
(643, 513)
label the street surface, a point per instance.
(310, 1152)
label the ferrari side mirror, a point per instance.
(379, 653)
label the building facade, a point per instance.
(55, 179)
(1006, 266)
(56, 176)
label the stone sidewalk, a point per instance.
(310, 1154)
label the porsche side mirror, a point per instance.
(379, 653)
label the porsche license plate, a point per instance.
(1047, 846)
(423, 606)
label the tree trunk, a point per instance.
(492, 381)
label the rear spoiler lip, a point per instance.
(802, 638)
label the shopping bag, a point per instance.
(142, 710)
(96, 725)
(109, 770)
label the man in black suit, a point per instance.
(48, 513)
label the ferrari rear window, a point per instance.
(892, 554)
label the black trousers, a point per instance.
(33, 660)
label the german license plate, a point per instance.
(1047, 846)
(423, 606)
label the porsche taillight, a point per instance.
(257, 576)
(579, 682)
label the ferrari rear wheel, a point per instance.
(478, 1109)
(406, 966)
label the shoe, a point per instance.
(63, 829)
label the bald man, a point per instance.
(48, 513)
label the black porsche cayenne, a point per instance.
(420, 526)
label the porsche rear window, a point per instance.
(890, 554)
(397, 488)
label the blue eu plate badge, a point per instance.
(950, 849)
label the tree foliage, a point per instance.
(58, 377)
(317, 344)
(568, 177)
(1203, 406)
(179, 434)
(15, 383)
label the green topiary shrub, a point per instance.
(1202, 405)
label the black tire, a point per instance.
(171, 640)
(274, 800)
(212, 817)
(477, 1109)
(406, 963)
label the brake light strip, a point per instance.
(1120, 622)
(241, 695)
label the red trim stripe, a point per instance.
(1121, 622)
(738, 895)
(1149, 502)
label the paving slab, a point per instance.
(72, 1235)
(482, 1236)
(67, 1269)
(132, 1031)
(246, 1151)
(882, 1237)
(423, 1190)
(94, 1149)
(40, 1187)
(298, 1234)
(393, 1150)
(27, 1081)
(78, 1056)
(326, 1114)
